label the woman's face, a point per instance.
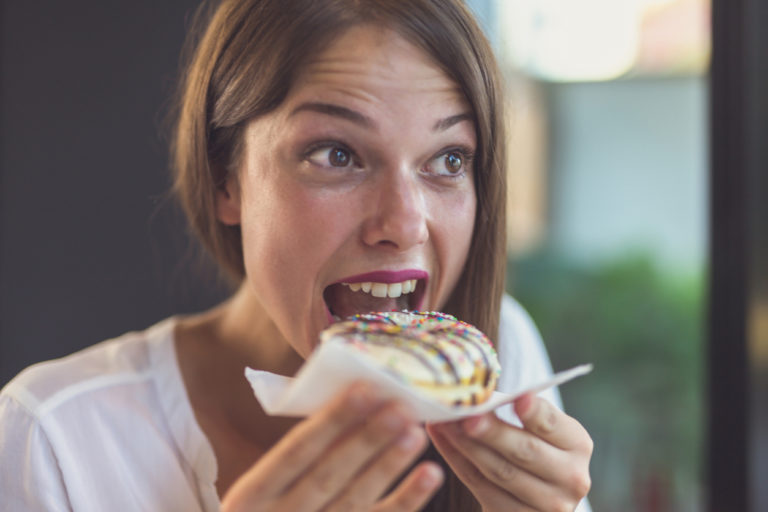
(357, 187)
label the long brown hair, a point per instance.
(243, 56)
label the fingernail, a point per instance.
(477, 425)
(410, 441)
(430, 477)
(523, 405)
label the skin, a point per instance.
(307, 224)
(542, 466)
(380, 180)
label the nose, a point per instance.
(398, 213)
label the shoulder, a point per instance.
(516, 321)
(518, 335)
(106, 428)
(523, 355)
(124, 360)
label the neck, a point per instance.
(240, 329)
(213, 350)
(215, 347)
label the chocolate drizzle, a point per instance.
(430, 339)
(397, 341)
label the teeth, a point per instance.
(395, 290)
(392, 290)
(379, 290)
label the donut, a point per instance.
(448, 360)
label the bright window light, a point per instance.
(593, 40)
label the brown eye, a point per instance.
(454, 162)
(332, 156)
(451, 164)
(339, 157)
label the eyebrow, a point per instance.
(362, 120)
(444, 124)
(335, 111)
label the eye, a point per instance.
(451, 163)
(331, 156)
(454, 162)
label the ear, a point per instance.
(228, 202)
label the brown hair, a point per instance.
(244, 57)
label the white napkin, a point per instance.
(332, 367)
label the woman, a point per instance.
(319, 142)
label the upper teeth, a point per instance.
(383, 289)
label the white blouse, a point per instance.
(111, 427)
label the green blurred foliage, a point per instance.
(643, 404)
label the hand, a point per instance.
(344, 457)
(543, 466)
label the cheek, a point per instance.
(458, 222)
(290, 236)
(291, 231)
(454, 228)
(464, 227)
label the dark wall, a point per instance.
(90, 246)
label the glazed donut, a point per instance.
(447, 359)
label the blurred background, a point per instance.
(608, 201)
(608, 117)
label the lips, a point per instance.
(382, 290)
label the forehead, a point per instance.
(375, 66)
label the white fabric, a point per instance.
(111, 427)
(522, 354)
(107, 428)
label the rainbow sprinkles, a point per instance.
(445, 358)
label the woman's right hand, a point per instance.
(344, 457)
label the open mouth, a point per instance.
(365, 294)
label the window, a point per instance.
(608, 116)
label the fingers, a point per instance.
(544, 465)
(374, 480)
(568, 469)
(302, 446)
(551, 424)
(525, 486)
(336, 471)
(414, 491)
(520, 447)
(344, 457)
(490, 495)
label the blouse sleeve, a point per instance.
(523, 357)
(30, 478)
